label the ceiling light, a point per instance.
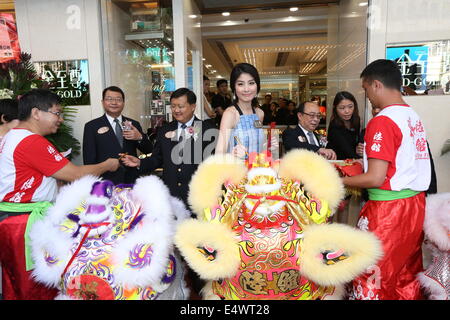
(225, 14)
(192, 16)
(363, 4)
(293, 9)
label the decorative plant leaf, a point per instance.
(21, 77)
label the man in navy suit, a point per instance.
(181, 145)
(303, 135)
(113, 133)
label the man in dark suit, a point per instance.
(303, 135)
(181, 145)
(113, 133)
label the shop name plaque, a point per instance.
(425, 67)
(69, 79)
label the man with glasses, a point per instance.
(181, 145)
(113, 134)
(303, 135)
(29, 169)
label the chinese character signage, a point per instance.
(69, 79)
(9, 42)
(425, 67)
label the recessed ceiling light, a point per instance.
(225, 14)
(293, 9)
(192, 16)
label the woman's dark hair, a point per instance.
(9, 110)
(354, 120)
(236, 73)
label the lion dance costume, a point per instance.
(436, 278)
(106, 242)
(262, 230)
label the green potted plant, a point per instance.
(16, 78)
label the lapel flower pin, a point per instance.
(193, 131)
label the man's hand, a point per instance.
(132, 134)
(329, 154)
(112, 164)
(131, 161)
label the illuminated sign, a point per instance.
(69, 79)
(425, 67)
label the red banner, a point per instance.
(9, 40)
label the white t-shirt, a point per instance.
(398, 136)
(27, 161)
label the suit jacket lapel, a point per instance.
(301, 133)
(173, 126)
(112, 132)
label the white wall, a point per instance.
(403, 21)
(65, 30)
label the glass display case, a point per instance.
(149, 51)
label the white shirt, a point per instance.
(111, 120)
(188, 124)
(307, 137)
(397, 135)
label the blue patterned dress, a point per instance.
(252, 138)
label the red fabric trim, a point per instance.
(89, 228)
(17, 283)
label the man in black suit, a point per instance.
(303, 135)
(181, 145)
(112, 134)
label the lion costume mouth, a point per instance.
(263, 182)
